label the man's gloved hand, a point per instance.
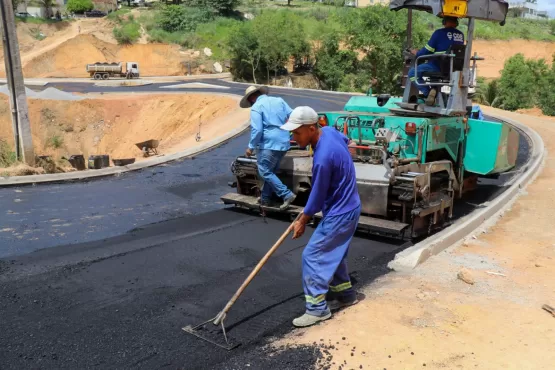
(249, 152)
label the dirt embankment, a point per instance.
(113, 126)
(497, 52)
(67, 47)
(70, 58)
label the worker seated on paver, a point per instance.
(334, 192)
(439, 43)
(267, 115)
(477, 113)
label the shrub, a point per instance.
(79, 6)
(522, 80)
(55, 142)
(220, 6)
(128, 33)
(7, 155)
(174, 18)
(547, 96)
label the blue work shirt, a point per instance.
(440, 41)
(268, 114)
(334, 183)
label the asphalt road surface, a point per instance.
(105, 273)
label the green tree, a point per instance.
(381, 35)
(547, 97)
(333, 66)
(521, 82)
(487, 93)
(244, 49)
(224, 7)
(281, 35)
(174, 18)
(79, 6)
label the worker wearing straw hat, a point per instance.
(334, 192)
(268, 114)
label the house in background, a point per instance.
(365, 3)
(528, 9)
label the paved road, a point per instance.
(120, 264)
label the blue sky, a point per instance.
(548, 5)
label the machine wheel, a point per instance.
(97, 76)
(105, 76)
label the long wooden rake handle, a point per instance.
(223, 313)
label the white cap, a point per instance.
(300, 116)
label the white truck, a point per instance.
(103, 71)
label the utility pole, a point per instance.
(14, 75)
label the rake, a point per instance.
(220, 317)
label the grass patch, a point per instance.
(213, 35)
(36, 33)
(55, 142)
(128, 32)
(117, 16)
(7, 154)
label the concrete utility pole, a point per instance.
(18, 100)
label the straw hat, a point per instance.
(251, 90)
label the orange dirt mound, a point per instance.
(497, 52)
(70, 58)
(113, 126)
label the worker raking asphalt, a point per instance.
(121, 302)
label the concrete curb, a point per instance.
(294, 88)
(479, 220)
(123, 83)
(157, 79)
(81, 175)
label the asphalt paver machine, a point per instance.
(413, 161)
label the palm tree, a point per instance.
(487, 93)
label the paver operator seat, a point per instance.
(456, 75)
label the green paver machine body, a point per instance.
(412, 160)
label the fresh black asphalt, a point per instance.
(105, 273)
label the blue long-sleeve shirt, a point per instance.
(268, 114)
(334, 184)
(440, 41)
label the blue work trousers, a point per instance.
(325, 262)
(268, 163)
(426, 67)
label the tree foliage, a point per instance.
(547, 97)
(269, 41)
(223, 7)
(521, 83)
(380, 35)
(79, 6)
(244, 46)
(487, 93)
(334, 66)
(174, 18)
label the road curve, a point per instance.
(104, 273)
